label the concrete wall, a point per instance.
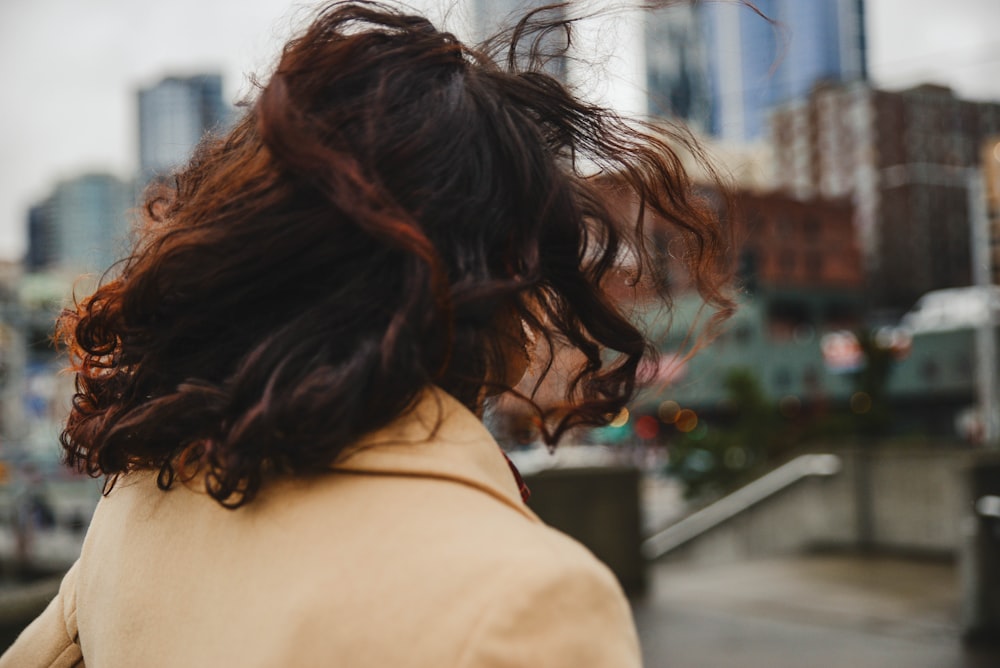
(918, 499)
(900, 499)
(600, 508)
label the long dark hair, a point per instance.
(388, 196)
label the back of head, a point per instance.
(391, 200)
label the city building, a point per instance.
(903, 158)
(491, 17)
(800, 269)
(799, 266)
(930, 389)
(42, 251)
(721, 66)
(802, 258)
(798, 261)
(799, 257)
(82, 226)
(174, 115)
(676, 59)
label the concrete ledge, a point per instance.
(22, 602)
(600, 508)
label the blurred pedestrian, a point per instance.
(283, 384)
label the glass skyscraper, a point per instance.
(489, 17)
(82, 226)
(744, 65)
(174, 115)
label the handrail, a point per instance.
(729, 506)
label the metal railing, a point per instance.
(729, 506)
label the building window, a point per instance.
(812, 229)
(815, 266)
(782, 379)
(786, 261)
(746, 272)
(810, 378)
(963, 365)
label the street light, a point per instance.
(987, 388)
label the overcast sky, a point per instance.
(70, 69)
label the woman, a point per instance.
(282, 385)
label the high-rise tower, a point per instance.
(488, 17)
(677, 82)
(174, 115)
(82, 226)
(723, 67)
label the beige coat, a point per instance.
(416, 551)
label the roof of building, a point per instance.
(954, 308)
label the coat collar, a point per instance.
(437, 437)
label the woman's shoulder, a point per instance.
(557, 605)
(358, 560)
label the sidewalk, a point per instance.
(823, 611)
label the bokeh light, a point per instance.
(621, 419)
(647, 427)
(686, 420)
(668, 411)
(861, 402)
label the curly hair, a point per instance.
(388, 195)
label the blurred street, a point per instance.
(826, 611)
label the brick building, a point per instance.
(903, 158)
(802, 244)
(802, 255)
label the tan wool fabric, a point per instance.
(415, 550)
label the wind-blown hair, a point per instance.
(389, 197)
